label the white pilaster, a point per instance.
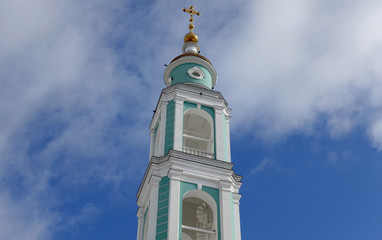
(152, 142)
(219, 133)
(236, 203)
(225, 210)
(228, 118)
(153, 208)
(178, 123)
(140, 215)
(162, 128)
(173, 205)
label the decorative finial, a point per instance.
(191, 37)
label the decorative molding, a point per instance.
(178, 99)
(196, 73)
(154, 180)
(140, 212)
(175, 174)
(206, 170)
(236, 198)
(225, 185)
(219, 109)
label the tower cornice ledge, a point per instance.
(203, 167)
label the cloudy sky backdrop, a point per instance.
(79, 81)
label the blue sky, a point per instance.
(79, 81)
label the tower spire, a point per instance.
(191, 39)
(191, 36)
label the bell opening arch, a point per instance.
(199, 216)
(198, 133)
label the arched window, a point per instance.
(198, 133)
(198, 216)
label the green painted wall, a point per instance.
(210, 111)
(214, 193)
(188, 105)
(233, 218)
(162, 214)
(180, 75)
(169, 137)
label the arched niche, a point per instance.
(198, 133)
(199, 216)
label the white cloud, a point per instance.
(375, 133)
(265, 162)
(74, 110)
(288, 65)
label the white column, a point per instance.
(162, 126)
(140, 215)
(173, 205)
(178, 123)
(228, 118)
(152, 137)
(225, 210)
(236, 203)
(153, 208)
(219, 133)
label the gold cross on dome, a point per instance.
(192, 12)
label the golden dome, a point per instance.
(191, 37)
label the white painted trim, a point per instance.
(228, 118)
(178, 123)
(140, 215)
(153, 208)
(219, 136)
(173, 204)
(190, 47)
(152, 141)
(199, 73)
(225, 210)
(236, 202)
(162, 128)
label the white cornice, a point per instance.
(183, 166)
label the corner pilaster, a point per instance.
(174, 204)
(153, 208)
(178, 123)
(225, 210)
(219, 135)
(140, 214)
(236, 203)
(228, 118)
(152, 142)
(162, 128)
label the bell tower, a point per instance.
(189, 190)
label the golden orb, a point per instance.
(191, 37)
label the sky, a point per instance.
(79, 81)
